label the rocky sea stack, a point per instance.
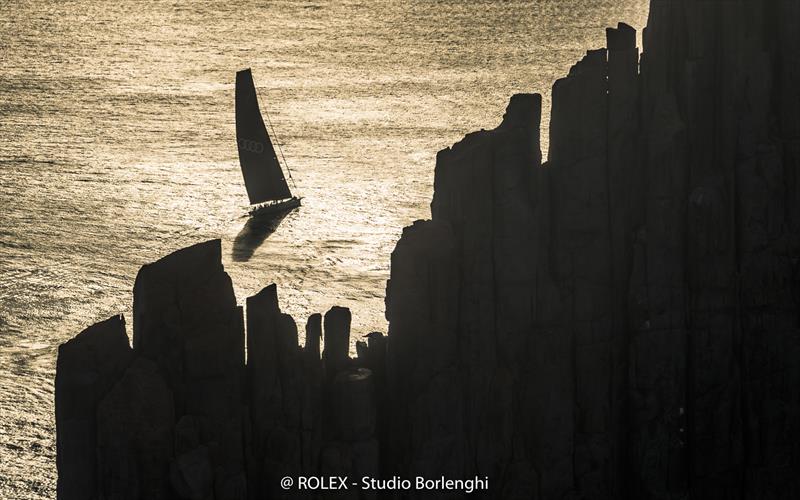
(619, 322)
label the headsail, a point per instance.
(262, 172)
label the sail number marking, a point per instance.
(251, 146)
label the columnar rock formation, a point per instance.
(181, 416)
(87, 368)
(620, 322)
(626, 316)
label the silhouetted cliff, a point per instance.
(181, 416)
(624, 320)
(620, 322)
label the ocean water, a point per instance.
(117, 147)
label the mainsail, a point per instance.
(262, 172)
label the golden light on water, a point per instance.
(119, 147)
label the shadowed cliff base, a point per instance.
(620, 322)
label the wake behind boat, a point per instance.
(266, 185)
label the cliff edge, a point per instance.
(621, 321)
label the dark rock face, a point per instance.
(725, 167)
(620, 322)
(134, 435)
(627, 314)
(422, 376)
(87, 368)
(186, 320)
(182, 416)
(285, 391)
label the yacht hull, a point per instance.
(274, 209)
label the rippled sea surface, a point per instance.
(117, 147)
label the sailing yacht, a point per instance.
(266, 185)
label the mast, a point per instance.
(263, 176)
